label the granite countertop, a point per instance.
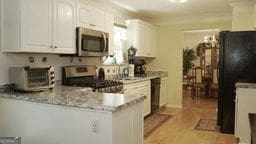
(150, 75)
(79, 98)
(246, 85)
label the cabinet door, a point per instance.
(36, 25)
(147, 103)
(98, 19)
(64, 26)
(152, 41)
(141, 41)
(147, 41)
(163, 94)
(84, 15)
(138, 124)
(143, 89)
(109, 28)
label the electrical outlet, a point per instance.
(94, 125)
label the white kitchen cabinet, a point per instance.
(140, 88)
(163, 91)
(64, 26)
(153, 43)
(142, 36)
(245, 103)
(89, 16)
(36, 25)
(39, 26)
(109, 28)
(52, 124)
(140, 43)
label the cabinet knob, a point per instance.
(55, 47)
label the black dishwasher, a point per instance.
(155, 94)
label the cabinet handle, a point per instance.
(55, 47)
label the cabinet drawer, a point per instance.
(138, 84)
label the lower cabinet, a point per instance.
(141, 88)
(163, 91)
(245, 104)
(51, 124)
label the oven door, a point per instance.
(92, 42)
(38, 78)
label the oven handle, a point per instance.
(105, 42)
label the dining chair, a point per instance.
(190, 77)
(214, 84)
(198, 83)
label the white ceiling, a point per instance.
(158, 11)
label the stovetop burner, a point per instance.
(95, 83)
(84, 76)
(103, 86)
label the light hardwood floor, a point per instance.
(180, 128)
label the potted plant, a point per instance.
(188, 57)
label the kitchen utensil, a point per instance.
(101, 74)
(131, 70)
(126, 72)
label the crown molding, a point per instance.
(123, 14)
(193, 19)
(243, 6)
(242, 3)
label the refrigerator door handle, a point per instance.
(218, 78)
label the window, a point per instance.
(119, 45)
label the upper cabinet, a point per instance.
(142, 36)
(64, 26)
(36, 21)
(89, 16)
(92, 17)
(40, 26)
(49, 26)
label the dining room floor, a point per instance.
(180, 128)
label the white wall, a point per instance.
(243, 15)
(192, 38)
(169, 55)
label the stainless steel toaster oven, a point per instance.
(32, 78)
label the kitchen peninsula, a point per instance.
(67, 115)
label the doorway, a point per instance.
(200, 67)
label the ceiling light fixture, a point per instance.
(178, 1)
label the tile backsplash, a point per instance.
(111, 71)
(14, 60)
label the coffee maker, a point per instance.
(139, 68)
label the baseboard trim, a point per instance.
(173, 106)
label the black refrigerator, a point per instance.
(237, 63)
